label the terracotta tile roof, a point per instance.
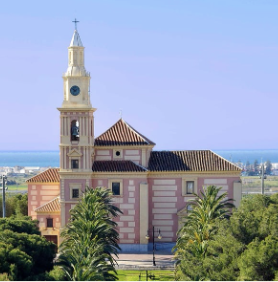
(121, 133)
(199, 160)
(52, 206)
(117, 166)
(50, 175)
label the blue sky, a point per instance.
(187, 74)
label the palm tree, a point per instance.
(198, 228)
(90, 239)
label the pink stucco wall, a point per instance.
(42, 220)
(129, 203)
(177, 201)
(38, 196)
(230, 182)
(67, 212)
(127, 154)
(67, 183)
(160, 191)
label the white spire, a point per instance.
(76, 40)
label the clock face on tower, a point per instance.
(75, 90)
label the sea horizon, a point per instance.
(50, 158)
(52, 150)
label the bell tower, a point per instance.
(76, 128)
(76, 78)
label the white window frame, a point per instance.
(74, 155)
(184, 186)
(75, 186)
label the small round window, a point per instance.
(118, 153)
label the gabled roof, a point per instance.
(117, 166)
(50, 175)
(76, 40)
(52, 206)
(199, 160)
(121, 133)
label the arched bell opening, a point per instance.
(74, 129)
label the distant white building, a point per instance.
(8, 169)
(32, 169)
(18, 168)
(274, 166)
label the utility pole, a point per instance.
(4, 182)
(262, 177)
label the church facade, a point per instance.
(152, 188)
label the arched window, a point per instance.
(74, 130)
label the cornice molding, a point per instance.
(193, 173)
(49, 212)
(72, 202)
(147, 174)
(44, 183)
(120, 175)
(80, 176)
(89, 109)
(78, 145)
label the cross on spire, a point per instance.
(75, 22)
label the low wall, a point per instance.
(133, 248)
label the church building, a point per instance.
(152, 188)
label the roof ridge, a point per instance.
(50, 168)
(138, 165)
(225, 159)
(108, 128)
(138, 133)
(122, 133)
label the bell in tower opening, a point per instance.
(74, 130)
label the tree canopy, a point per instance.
(16, 205)
(199, 229)
(20, 225)
(242, 247)
(90, 239)
(24, 254)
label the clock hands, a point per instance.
(74, 90)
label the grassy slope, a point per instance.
(17, 187)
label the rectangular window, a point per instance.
(75, 193)
(116, 188)
(74, 164)
(189, 187)
(49, 222)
